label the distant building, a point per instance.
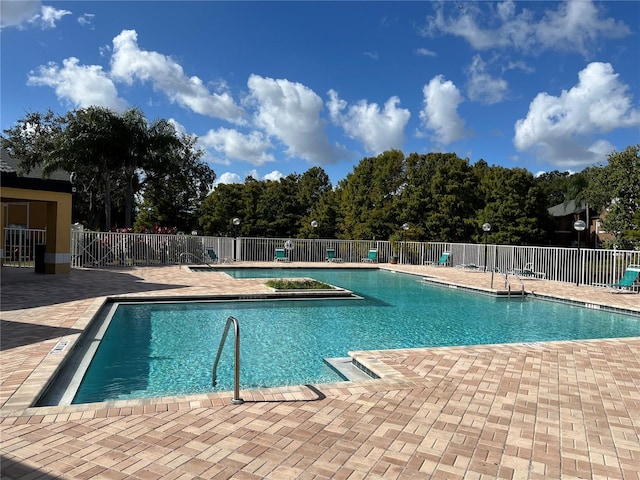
(564, 235)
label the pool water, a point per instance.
(160, 349)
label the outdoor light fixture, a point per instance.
(405, 227)
(236, 224)
(578, 226)
(486, 227)
(314, 224)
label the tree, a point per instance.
(514, 206)
(441, 196)
(369, 197)
(116, 153)
(176, 181)
(616, 188)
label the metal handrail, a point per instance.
(184, 255)
(521, 283)
(506, 280)
(236, 400)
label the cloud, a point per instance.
(424, 52)
(17, 13)
(228, 178)
(291, 112)
(377, 130)
(78, 85)
(14, 14)
(274, 175)
(562, 130)
(49, 16)
(251, 148)
(482, 87)
(129, 63)
(86, 20)
(439, 114)
(571, 26)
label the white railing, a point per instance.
(90, 249)
(19, 247)
(557, 263)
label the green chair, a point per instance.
(372, 256)
(213, 257)
(528, 272)
(442, 261)
(331, 255)
(627, 282)
(281, 255)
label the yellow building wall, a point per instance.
(50, 210)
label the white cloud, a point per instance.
(562, 130)
(291, 112)
(377, 130)
(228, 178)
(440, 111)
(15, 13)
(78, 85)
(86, 20)
(571, 26)
(49, 16)
(482, 87)
(251, 148)
(424, 52)
(129, 63)
(274, 175)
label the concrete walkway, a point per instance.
(532, 411)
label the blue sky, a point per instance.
(272, 88)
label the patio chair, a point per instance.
(442, 261)
(470, 266)
(627, 282)
(213, 257)
(281, 255)
(528, 272)
(372, 256)
(331, 255)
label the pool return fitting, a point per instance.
(236, 400)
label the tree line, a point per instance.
(145, 176)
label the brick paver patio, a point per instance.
(531, 411)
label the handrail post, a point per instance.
(236, 400)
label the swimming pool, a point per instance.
(160, 349)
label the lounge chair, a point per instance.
(331, 255)
(627, 282)
(372, 257)
(442, 261)
(281, 255)
(528, 272)
(470, 266)
(213, 257)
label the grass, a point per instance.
(305, 284)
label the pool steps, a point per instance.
(345, 367)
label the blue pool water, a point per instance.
(160, 349)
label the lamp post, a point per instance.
(236, 224)
(486, 228)
(405, 227)
(579, 226)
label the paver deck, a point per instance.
(520, 411)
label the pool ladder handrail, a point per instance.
(236, 400)
(507, 284)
